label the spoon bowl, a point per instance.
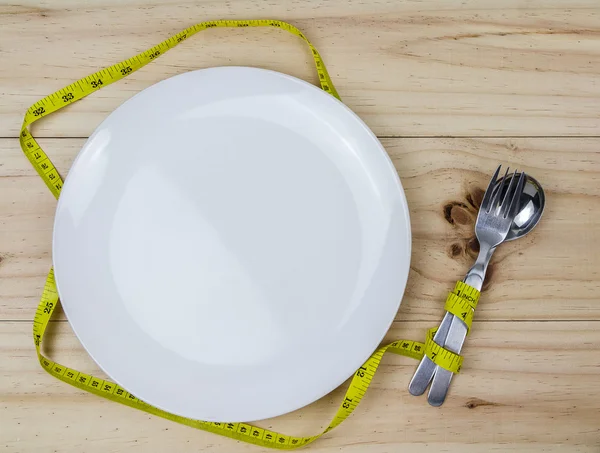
(531, 207)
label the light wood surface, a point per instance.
(452, 88)
(528, 385)
(435, 68)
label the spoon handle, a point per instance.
(442, 378)
(426, 369)
(457, 333)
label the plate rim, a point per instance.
(406, 239)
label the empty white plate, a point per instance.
(231, 244)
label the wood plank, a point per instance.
(552, 274)
(407, 68)
(527, 386)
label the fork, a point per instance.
(492, 226)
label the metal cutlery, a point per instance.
(504, 202)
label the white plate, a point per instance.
(231, 244)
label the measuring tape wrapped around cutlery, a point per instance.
(461, 301)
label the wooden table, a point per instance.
(452, 87)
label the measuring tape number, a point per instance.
(459, 301)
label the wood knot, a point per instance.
(473, 247)
(475, 197)
(448, 213)
(512, 146)
(457, 213)
(455, 250)
(476, 402)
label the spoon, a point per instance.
(531, 207)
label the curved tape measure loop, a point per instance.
(460, 308)
(241, 431)
(468, 293)
(98, 80)
(462, 303)
(49, 300)
(440, 356)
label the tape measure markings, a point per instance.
(356, 391)
(109, 390)
(93, 82)
(463, 294)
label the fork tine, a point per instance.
(514, 202)
(487, 197)
(503, 204)
(494, 202)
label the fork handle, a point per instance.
(457, 332)
(426, 369)
(476, 274)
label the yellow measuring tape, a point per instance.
(461, 302)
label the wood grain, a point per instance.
(551, 274)
(452, 88)
(527, 386)
(409, 68)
